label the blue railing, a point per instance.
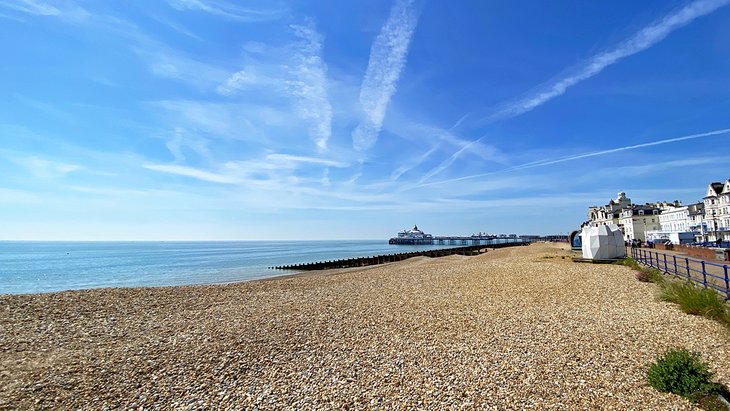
(705, 273)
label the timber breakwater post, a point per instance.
(391, 258)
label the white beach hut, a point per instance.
(603, 242)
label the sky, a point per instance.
(313, 120)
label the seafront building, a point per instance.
(678, 223)
(717, 211)
(637, 220)
(609, 213)
(705, 221)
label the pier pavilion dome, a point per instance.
(413, 233)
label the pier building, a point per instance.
(415, 236)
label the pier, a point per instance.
(454, 240)
(391, 258)
(415, 236)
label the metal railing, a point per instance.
(705, 273)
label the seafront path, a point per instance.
(681, 265)
(516, 328)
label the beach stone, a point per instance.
(509, 330)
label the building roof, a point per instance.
(644, 207)
(726, 188)
(714, 189)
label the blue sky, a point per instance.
(213, 119)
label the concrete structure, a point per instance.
(603, 242)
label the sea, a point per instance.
(28, 267)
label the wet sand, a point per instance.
(511, 329)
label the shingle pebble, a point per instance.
(513, 329)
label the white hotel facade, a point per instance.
(708, 220)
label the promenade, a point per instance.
(706, 272)
(512, 329)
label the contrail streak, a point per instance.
(640, 41)
(586, 155)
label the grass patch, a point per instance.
(681, 372)
(696, 300)
(692, 299)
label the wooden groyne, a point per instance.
(391, 258)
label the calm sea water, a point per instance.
(36, 267)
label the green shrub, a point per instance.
(681, 372)
(695, 300)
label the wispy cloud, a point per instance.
(447, 162)
(68, 10)
(227, 10)
(165, 62)
(309, 85)
(32, 7)
(459, 122)
(239, 80)
(619, 149)
(440, 140)
(44, 168)
(286, 158)
(558, 160)
(176, 27)
(642, 40)
(413, 163)
(217, 119)
(294, 73)
(192, 172)
(387, 59)
(181, 139)
(273, 171)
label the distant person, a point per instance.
(719, 242)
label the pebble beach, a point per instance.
(512, 329)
